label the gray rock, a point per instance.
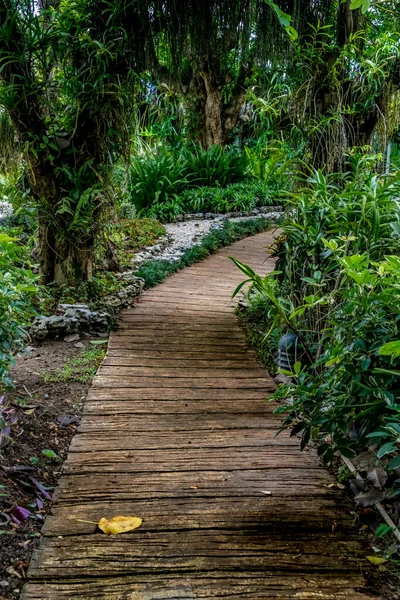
(72, 338)
(63, 307)
(111, 302)
(281, 378)
(79, 345)
(76, 318)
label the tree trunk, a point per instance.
(219, 119)
(73, 264)
(61, 258)
(63, 262)
(213, 133)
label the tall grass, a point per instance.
(160, 178)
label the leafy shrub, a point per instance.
(168, 209)
(120, 240)
(88, 292)
(235, 197)
(159, 180)
(337, 287)
(126, 210)
(17, 288)
(216, 166)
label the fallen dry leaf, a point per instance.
(376, 560)
(119, 524)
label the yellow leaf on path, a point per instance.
(376, 560)
(119, 524)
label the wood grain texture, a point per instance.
(176, 430)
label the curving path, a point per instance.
(176, 430)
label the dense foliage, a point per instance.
(18, 285)
(336, 287)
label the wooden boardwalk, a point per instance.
(176, 430)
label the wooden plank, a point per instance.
(237, 514)
(245, 395)
(101, 404)
(224, 383)
(198, 552)
(123, 357)
(254, 586)
(182, 422)
(172, 334)
(193, 354)
(189, 459)
(163, 440)
(122, 368)
(212, 484)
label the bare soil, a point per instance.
(47, 421)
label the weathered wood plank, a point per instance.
(195, 552)
(211, 484)
(163, 440)
(172, 393)
(104, 404)
(189, 459)
(184, 422)
(257, 585)
(123, 369)
(261, 514)
(224, 383)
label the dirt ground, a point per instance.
(30, 466)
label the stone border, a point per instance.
(254, 212)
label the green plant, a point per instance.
(127, 210)
(236, 197)
(81, 369)
(215, 166)
(337, 288)
(158, 181)
(156, 178)
(121, 239)
(50, 455)
(18, 287)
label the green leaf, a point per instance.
(386, 449)
(382, 530)
(365, 6)
(390, 349)
(394, 463)
(347, 452)
(297, 428)
(297, 367)
(378, 434)
(49, 454)
(356, 4)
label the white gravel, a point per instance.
(6, 210)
